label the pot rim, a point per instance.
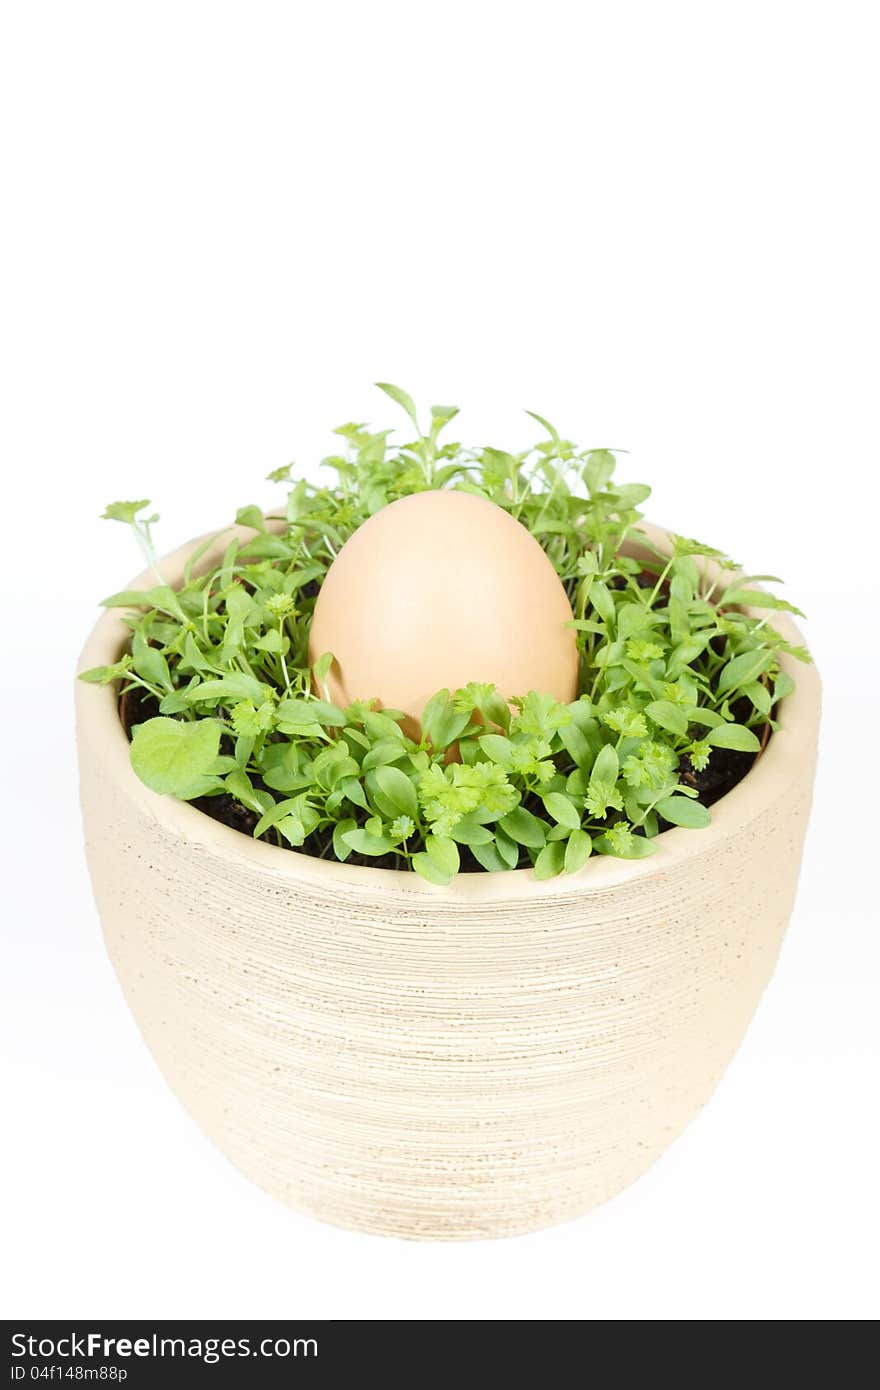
(98, 716)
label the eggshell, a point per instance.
(436, 590)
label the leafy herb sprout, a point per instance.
(673, 675)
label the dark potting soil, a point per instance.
(726, 768)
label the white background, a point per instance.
(655, 224)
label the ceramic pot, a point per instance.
(445, 1063)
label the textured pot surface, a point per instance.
(473, 1061)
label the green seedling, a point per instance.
(674, 674)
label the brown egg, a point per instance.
(436, 590)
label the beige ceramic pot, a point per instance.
(473, 1061)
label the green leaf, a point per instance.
(637, 847)
(708, 718)
(627, 721)
(733, 736)
(130, 598)
(193, 656)
(442, 723)
(123, 511)
(602, 793)
(273, 641)
(170, 755)
(297, 712)
(486, 700)
(104, 675)
(444, 853)
(550, 861)
(239, 785)
(379, 724)
(507, 848)
(401, 398)
(756, 598)
(265, 547)
(601, 600)
(401, 829)
(471, 833)
(352, 789)
(598, 470)
(782, 686)
(341, 848)
(150, 663)
(643, 678)
(606, 766)
(293, 830)
(249, 721)
(742, 669)
(680, 598)
(275, 814)
(162, 597)
(398, 789)
(322, 667)
(577, 851)
(631, 495)
(668, 716)
(576, 783)
(428, 869)
(387, 750)
(280, 475)
(575, 744)
(441, 416)
(251, 517)
(498, 749)
(489, 858)
(364, 843)
(236, 686)
(174, 702)
(681, 810)
(524, 828)
(759, 696)
(545, 424)
(563, 810)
